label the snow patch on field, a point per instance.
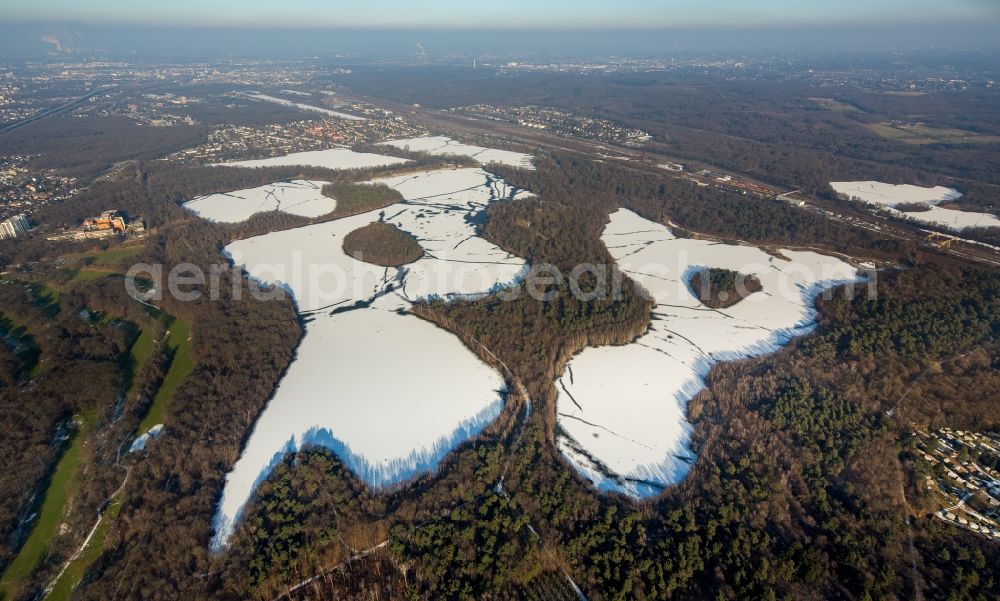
(331, 158)
(890, 195)
(389, 393)
(621, 410)
(297, 197)
(442, 145)
(139, 444)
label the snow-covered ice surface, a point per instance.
(388, 392)
(302, 107)
(890, 195)
(298, 197)
(442, 145)
(331, 158)
(621, 409)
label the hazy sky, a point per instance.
(502, 13)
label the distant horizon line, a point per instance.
(901, 23)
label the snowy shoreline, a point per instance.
(295, 197)
(302, 107)
(331, 158)
(889, 196)
(622, 410)
(443, 146)
(389, 393)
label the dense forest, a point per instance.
(87, 147)
(719, 288)
(74, 365)
(353, 198)
(240, 347)
(773, 131)
(798, 490)
(382, 244)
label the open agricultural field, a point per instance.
(917, 133)
(836, 105)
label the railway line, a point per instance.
(648, 161)
(50, 112)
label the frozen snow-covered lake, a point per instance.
(621, 409)
(331, 158)
(890, 195)
(297, 197)
(388, 392)
(443, 145)
(301, 106)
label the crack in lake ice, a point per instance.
(404, 426)
(639, 391)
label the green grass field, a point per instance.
(835, 105)
(140, 353)
(46, 298)
(49, 517)
(100, 263)
(86, 275)
(26, 348)
(75, 571)
(180, 367)
(142, 348)
(111, 256)
(46, 526)
(923, 134)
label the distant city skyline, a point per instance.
(553, 14)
